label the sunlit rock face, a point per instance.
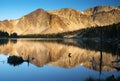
(67, 19)
(54, 54)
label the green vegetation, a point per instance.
(42, 36)
(6, 35)
(3, 34)
(13, 35)
(111, 31)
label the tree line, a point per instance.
(110, 31)
(4, 34)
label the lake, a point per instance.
(57, 60)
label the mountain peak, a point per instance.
(67, 9)
(39, 9)
(98, 9)
(63, 20)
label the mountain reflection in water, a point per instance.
(62, 53)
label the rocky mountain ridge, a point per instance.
(63, 20)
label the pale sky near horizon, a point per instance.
(13, 9)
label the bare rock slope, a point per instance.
(67, 19)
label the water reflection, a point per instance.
(63, 53)
(16, 60)
(3, 41)
(52, 53)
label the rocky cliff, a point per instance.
(67, 19)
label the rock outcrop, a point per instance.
(67, 19)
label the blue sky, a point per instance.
(13, 9)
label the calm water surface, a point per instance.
(61, 60)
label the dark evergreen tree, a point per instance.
(14, 35)
(3, 34)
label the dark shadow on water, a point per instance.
(14, 41)
(16, 60)
(110, 78)
(4, 41)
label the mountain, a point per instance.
(63, 20)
